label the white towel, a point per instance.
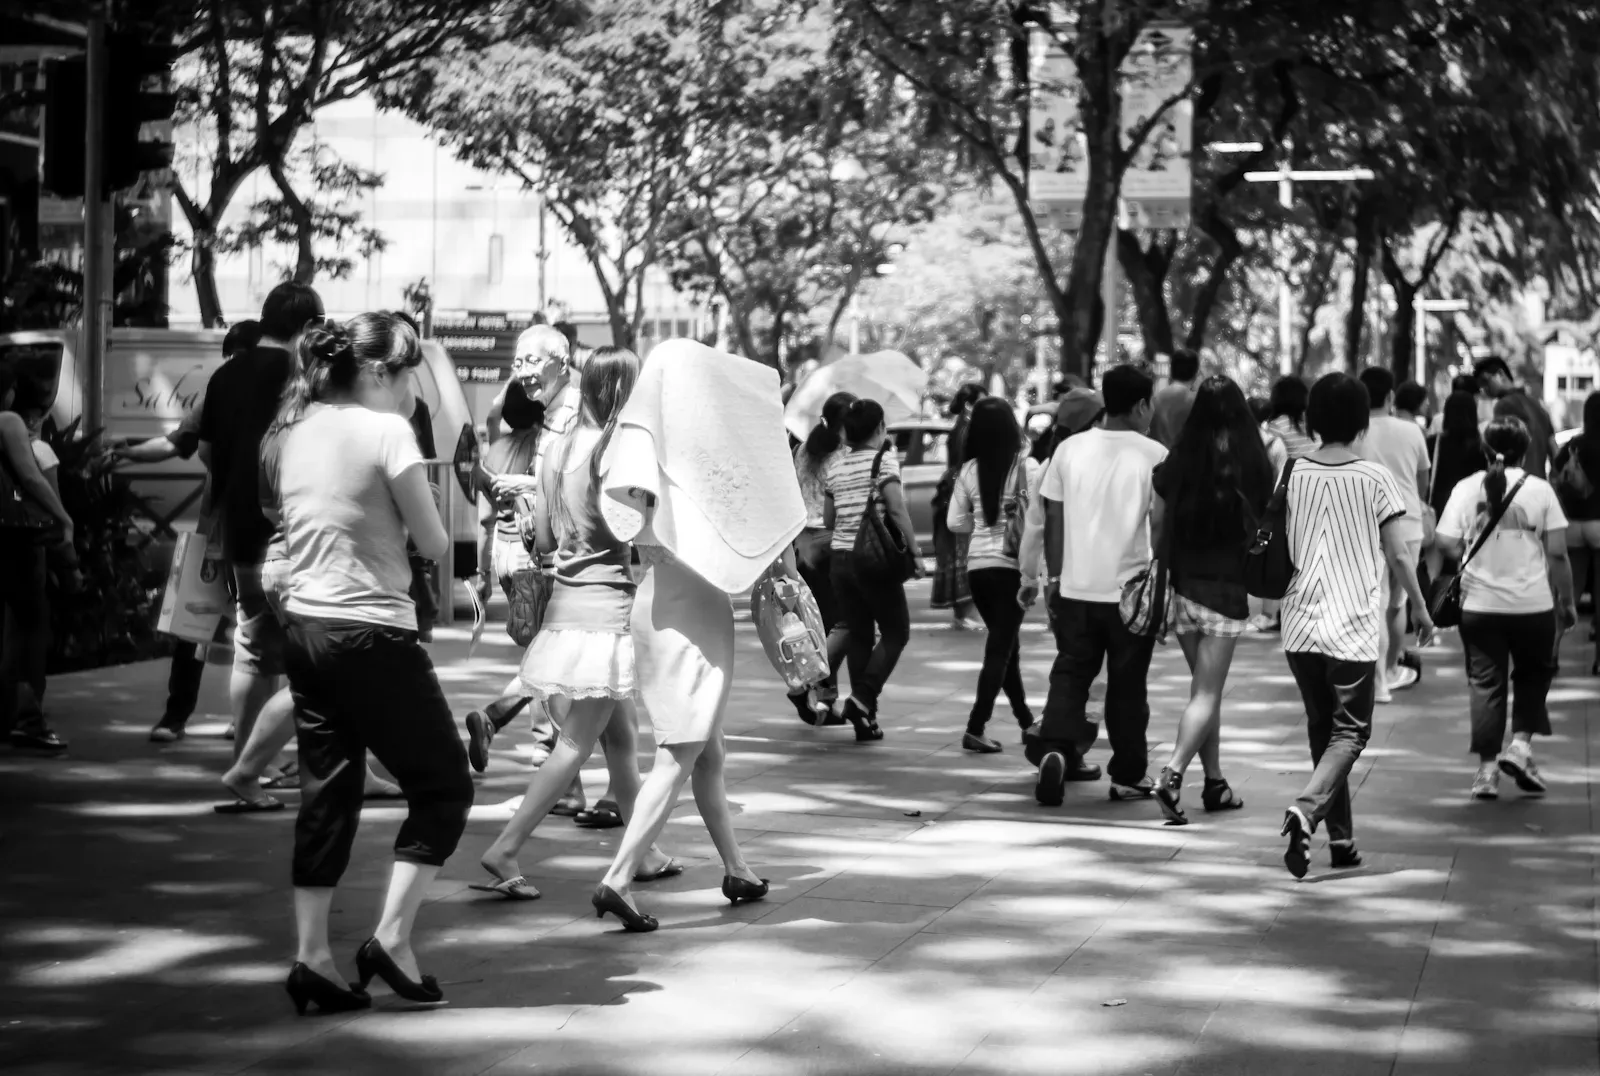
(702, 438)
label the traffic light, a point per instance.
(138, 92)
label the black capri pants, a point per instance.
(360, 687)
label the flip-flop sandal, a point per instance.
(242, 806)
(605, 814)
(517, 888)
(671, 869)
(386, 792)
(287, 781)
(567, 807)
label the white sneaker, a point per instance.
(1486, 784)
(1402, 677)
(1517, 763)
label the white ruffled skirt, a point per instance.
(573, 664)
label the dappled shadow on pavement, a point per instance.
(926, 915)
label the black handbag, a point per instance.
(1268, 568)
(1445, 602)
(881, 552)
(22, 517)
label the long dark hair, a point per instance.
(605, 383)
(1460, 421)
(824, 438)
(1506, 441)
(993, 439)
(1588, 445)
(1220, 473)
(965, 397)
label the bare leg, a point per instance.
(657, 797)
(580, 728)
(620, 741)
(248, 695)
(1209, 660)
(311, 908)
(408, 884)
(711, 798)
(272, 732)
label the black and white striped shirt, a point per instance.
(1336, 600)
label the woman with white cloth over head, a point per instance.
(710, 506)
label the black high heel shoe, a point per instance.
(738, 889)
(606, 899)
(306, 987)
(865, 722)
(373, 960)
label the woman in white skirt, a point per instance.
(700, 476)
(581, 662)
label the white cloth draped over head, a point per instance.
(702, 441)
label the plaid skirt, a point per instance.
(1188, 617)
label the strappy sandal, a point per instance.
(518, 888)
(670, 869)
(264, 805)
(1344, 854)
(288, 779)
(1218, 795)
(605, 814)
(1168, 791)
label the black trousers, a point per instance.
(183, 685)
(1090, 635)
(25, 645)
(1508, 654)
(994, 593)
(363, 686)
(875, 615)
(1339, 697)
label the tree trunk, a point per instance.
(1403, 361)
(1146, 271)
(305, 266)
(1206, 297)
(1356, 317)
(1314, 296)
(203, 267)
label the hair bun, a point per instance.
(330, 344)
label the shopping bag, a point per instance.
(195, 605)
(789, 624)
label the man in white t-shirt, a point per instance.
(1398, 445)
(1096, 492)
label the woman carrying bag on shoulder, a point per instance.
(1514, 594)
(32, 517)
(989, 501)
(871, 598)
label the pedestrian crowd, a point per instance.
(1326, 513)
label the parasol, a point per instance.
(888, 377)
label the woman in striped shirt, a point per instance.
(872, 611)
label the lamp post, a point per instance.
(1420, 309)
(1285, 178)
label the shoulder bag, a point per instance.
(881, 552)
(1268, 568)
(22, 517)
(1016, 511)
(1145, 597)
(1572, 481)
(1445, 602)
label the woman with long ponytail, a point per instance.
(1516, 601)
(814, 555)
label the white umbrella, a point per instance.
(888, 377)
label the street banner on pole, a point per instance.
(1157, 184)
(1058, 155)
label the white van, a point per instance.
(153, 378)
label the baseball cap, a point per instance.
(1079, 409)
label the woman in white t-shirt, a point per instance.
(351, 488)
(1516, 600)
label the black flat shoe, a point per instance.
(866, 725)
(372, 960)
(802, 706)
(480, 734)
(606, 899)
(738, 889)
(306, 987)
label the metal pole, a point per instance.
(1110, 293)
(1285, 296)
(543, 297)
(96, 280)
(1419, 316)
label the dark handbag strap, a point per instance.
(873, 496)
(1494, 522)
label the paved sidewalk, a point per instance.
(926, 915)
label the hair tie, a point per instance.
(331, 345)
